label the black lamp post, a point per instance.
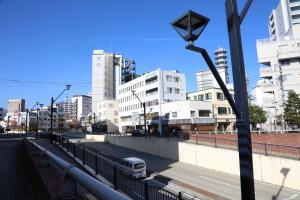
(51, 114)
(7, 127)
(189, 26)
(144, 106)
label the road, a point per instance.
(195, 180)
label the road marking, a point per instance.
(221, 182)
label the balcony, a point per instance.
(265, 72)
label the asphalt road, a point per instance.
(195, 180)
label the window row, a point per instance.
(131, 87)
(170, 78)
(171, 90)
(131, 97)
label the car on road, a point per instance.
(133, 167)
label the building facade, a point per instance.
(81, 107)
(205, 78)
(284, 21)
(224, 118)
(108, 115)
(153, 88)
(279, 57)
(16, 105)
(108, 72)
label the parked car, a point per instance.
(137, 132)
(133, 167)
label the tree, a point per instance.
(256, 115)
(292, 109)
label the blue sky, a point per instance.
(45, 44)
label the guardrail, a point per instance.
(73, 174)
(141, 189)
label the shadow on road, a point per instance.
(284, 171)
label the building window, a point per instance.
(220, 96)
(284, 62)
(115, 120)
(222, 110)
(229, 110)
(169, 78)
(203, 113)
(208, 96)
(193, 113)
(177, 91)
(170, 90)
(195, 98)
(167, 115)
(174, 114)
(176, 79)
(100, 114)
(200, 97)
(104, 112)
(111, 105)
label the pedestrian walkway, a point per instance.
(14, 182)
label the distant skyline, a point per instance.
(47, 44)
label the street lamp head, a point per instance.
(133, 92)
(68, 87)
(37, 103)
(41, 105)
(190, 25)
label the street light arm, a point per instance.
(245, 10)
(59, 95)
(216, 74)
(139, 99)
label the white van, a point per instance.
(133, 167)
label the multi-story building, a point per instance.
(16, 105)
(221, 110)
(153, 88)
(108, 115)
(205, 78)
(81, 107)
(284, 21)
(67, 107)
(187, 115)
(108, 72)
(279, 58)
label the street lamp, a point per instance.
(51, 114)
(189, 26)
(144, 106)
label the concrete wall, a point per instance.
(266, 168)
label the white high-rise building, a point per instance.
(279, 57)
(284, 21)
(154, 88)
(108, 72)
(81, 107)
(205, 79)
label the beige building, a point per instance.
(221, 111)
(108, 113)
(16, 105)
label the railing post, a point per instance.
(96, 163)
(215, 139)
(179, 196)
(265, 145)
(115, 177)
(67, 145)
(146, 197)
(83, 155)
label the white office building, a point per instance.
(205, 78)
(284, 21)
(108, 72)
(153, 88)
(279, 58)
(81, 107)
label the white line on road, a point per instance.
(221, 182)
(292, 197)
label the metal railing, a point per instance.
(141, 189)
(278, 150)
(92, 185)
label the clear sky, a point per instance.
(45, 44)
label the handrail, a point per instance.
(98, 189)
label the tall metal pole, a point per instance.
(26, 122)
(37, 120)
(145, 125)
(7, 128)
(241, 100)
(51, 119)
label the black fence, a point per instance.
(140, 189)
